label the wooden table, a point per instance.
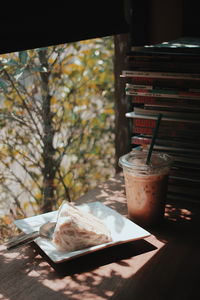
(165, 265)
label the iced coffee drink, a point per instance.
(146, 186)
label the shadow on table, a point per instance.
(99, 258)
(110, 193)
(170, 274)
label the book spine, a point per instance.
(184, 190)
(165, 82)
(187, 172)
(144, 65)
(140, 140)
(138, 86)
(176, 149)
(192, 123)
(144, 99)
(164, 101)
(166, 144)
(144, 80)
(166, 106)
(142, 122)
(143, 130)
(163, 94)
(166, 133)
(181, 197)
(127, 73)
(187, 160)
(165, 89)
(167, 113)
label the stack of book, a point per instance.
(165, 79)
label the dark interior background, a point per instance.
(132, 22)
(33, 25)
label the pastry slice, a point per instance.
(77, 230)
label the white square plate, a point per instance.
(122, 230)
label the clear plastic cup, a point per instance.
(145, 185)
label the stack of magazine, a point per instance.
(165, 79)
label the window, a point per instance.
(56, 123)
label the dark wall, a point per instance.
(191, 18)
(33, 25)
(165, 20)
(172, 19)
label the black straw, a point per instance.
(153, 139)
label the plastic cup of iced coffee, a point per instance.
(145, 186)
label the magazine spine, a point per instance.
(151, 74)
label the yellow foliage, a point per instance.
(90, 155)
(18, 99)
(51, 60)
(84, 122)
(68, 69)
(56, 68)
(32, 166)
(53, 100)
(85, 101)
(21, 113)
(68, 106)
(86, 51)
(22, 152)
(6, 220)
(4, 150)
(95, 122)
(25, 205)
(97, 176)
(102, 76)
(92, 85)
(2, 155)
(86, 42)
(90, 62)
(14, 152)
(38, 196)
(31, 53)
(87, 76)
(78, 187)
(109, 111)
(8, 104)
(68, 180)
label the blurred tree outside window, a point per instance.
(56, 125)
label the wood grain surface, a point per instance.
(163, 266)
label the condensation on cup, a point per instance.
(146, 185)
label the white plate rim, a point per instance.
(31, 224)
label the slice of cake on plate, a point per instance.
(76, 229)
